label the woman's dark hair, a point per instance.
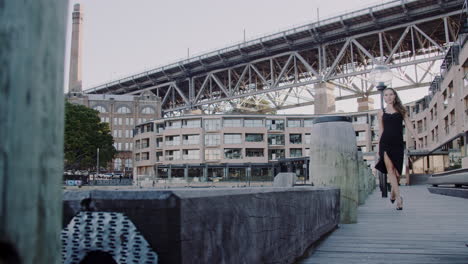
(397, 103)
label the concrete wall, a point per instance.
(253, 225)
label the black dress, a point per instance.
(391, 142)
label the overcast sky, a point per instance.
(122, 37)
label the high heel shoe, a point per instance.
(401, 204)
(392, 200)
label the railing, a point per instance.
(458, 178)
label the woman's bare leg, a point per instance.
(392, 174)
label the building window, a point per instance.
(172, 155)
(307, 138)
(230, 122)
(212, 140)
(117, 164)
(192, 123)
(173, 124)
(294, 123)
(373, 121)
(254, 152)
(137, 157)
(118, 121)
(172, 140)
(129, 121)
(159, 156)
(191, 139)
(308, 122)
(148, 110)
(275, 124)
(123, 110)
(307, 152)
(360, 135)
(145, 143)
(145, 156)
(275, 139)
(295, 152)
(128, 164)
(253, 123)
(232, 138)
(100, 109)
(191, 154)
(274, 154)
(360, 119)
(295, 138)
(212, 154)
(253, 137)
(375, 135)
(212, 124)
(452, 118)
(233, 153)
(445, 97)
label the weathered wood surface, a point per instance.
(333, 163)
(430, 229)
(32, 45)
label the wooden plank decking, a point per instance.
(431, 229)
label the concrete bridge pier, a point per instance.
(324, 98)
(365, 104)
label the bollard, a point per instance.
(32, 46)
(333, 161)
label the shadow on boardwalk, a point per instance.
(430, 229)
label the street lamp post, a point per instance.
(381, 77)
(97, 166)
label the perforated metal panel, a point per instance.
(110, 232)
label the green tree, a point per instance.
(84, 133)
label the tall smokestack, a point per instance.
(74, 84)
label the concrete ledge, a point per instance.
(450, 191)
(251, 225)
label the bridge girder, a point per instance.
(298, 61)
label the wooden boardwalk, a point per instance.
(431, 229)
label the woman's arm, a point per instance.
(381, 127)
(409, 127)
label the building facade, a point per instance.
(441, 118)
(122, 113)
(235, 146)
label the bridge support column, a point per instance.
(324, 98)
(365, 104)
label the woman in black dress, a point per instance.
(391, 146)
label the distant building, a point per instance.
(122, 113)
(235, 146)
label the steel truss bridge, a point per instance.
(281, 70)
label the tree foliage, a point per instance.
(84, 134)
